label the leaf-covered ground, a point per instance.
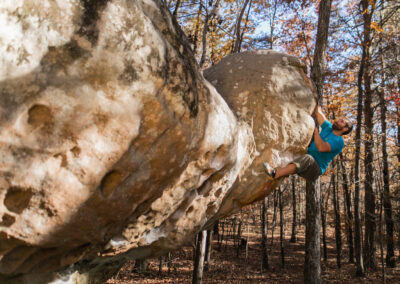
(228, 267)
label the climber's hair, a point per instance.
(349, 126)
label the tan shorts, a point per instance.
(307, 167)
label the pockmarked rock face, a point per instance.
(270, 92)
(112, 144)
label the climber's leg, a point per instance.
(285, 171)
(305, 166)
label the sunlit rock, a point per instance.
(270, 92)
(112, 144)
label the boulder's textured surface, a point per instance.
(112, 144)
(270, 92)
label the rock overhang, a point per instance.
(114, 146)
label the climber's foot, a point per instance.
(270, 171)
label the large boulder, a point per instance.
(270, 92)
(112, 144)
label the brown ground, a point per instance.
(227, 267)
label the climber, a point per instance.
(320, 153)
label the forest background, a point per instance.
(360, 194)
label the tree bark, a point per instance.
(197, 27)
(242, 32)
(338, 234)
(369, 197)
(207, 256)
(264, 252)
(387, 203)
(236, 47)
(160, 265)
(274, 216)
(272, 24)
(349, 214)
(323, 221)
(209, 16)
(293, 238)
(199, 258)
(317, 71)
(281, 224)
(360, 271)
(177, 6)
(140, 265)
(312, 266)
(381, 238)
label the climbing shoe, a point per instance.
(270, 171)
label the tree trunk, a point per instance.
(293, 238)
(387, 203)
(281, 224)
(264, 252)
(398, 143)
(207, 256)
(317, 70)
(380, 234)
(169, 262)
(272, 24)
(236, 47)
(312, 266)
(302, 201)
(349, 214)
(199, 258)
(357, 222)
(209, 17)
(369, 197)
(197, 28)
(160, 265)
(323, 221)
(274, 217)
(245, 26)
(238, 237)
(140, 266)
(177, 6)
(338, 234)
(220, 240)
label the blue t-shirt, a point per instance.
(336, 142)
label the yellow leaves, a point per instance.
(367, 136)
(376, 27)
(372, 3)
(366, 11)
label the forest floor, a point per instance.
(228, 267)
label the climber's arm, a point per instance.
(322, 146)
(319, 115)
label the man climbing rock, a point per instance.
(320, 153)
